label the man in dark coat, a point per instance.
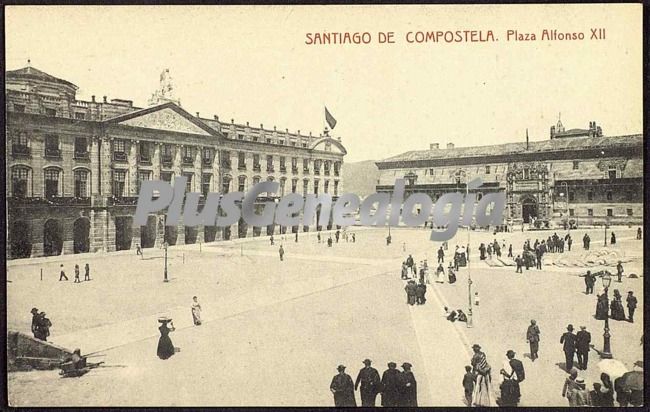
(370, 382)
(408, 387)
(568, 340)
(420, 293)
(36, 323)
(441, 255)
(532, 337)
(583, 339)
(390, 380)
(343, 388)
(590, 281)
(631, 305)
(410, 289)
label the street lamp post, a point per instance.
(606, 233)
(470, 322)
(607, 351)
(165, 248)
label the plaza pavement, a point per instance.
(302, 317)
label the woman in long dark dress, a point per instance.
(165, 345)
(601, 307)
(617, 311)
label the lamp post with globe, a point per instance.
(607, 351)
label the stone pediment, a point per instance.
(167, 117)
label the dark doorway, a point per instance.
(148, 232)
(21, 245)
(171, 233)
(257, 231)
(52, 238)
(226, 233)
(242, 227)
(210, 233)
(191, 234)
(81, 235)
(294, 229)
(528, 209)
(270, 229)
(123, 232)
(305, 228)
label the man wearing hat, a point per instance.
(583, 339)
(532, 337)
(568, 340)
(408, 387)
(343, 388)
(369, 379)
(390, 386)
(36, 324)
(631, 306)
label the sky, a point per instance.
(251, 63)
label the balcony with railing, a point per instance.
(78, 155)
(45, 201)
(52, 152)
(241, 166)
(336, 172)
(122, 200)
(283, 169)
(294, 169)
(327, 172)
(19, 150)
(145, 159)
(316, 171)
(206, 162)
(119, 156)
(257, 167)
(270, 169)
(167, 160)
(188, 161)
(305, 170)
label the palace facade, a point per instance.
(74, 167)
(577, 176)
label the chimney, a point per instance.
(105, 101)
(198, 114)
(93, 97)
(246, 123)
(261, 125)
(450, 145)
(232, 120)
(527, 139)
(216, 117)
(434, 146)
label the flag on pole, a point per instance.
(331, 121)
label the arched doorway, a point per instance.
(270, 229)
(81, 232)
(171, 233)
(21, 245)
(242, 227)
(528, 209)
(52, 238)
(210, 233)
(148, 232)
(123, 232)
(257, 231)
(191, 234)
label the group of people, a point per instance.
(577, 344)
(40, 325)
(602, 394)
(397, 388)
(615, 310)
(62, 275)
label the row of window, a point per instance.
(253, 138)
(20, 146)
(590, 196)
(612, 172)
(21, 108)
(608, 211)
(52, 182)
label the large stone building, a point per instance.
(74, 167)
(577, 176)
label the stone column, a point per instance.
(198, 170)
(155, 160)
(106, 159)
(200, 234)
(94, 188)
(176, 165)
(180, 238)
(160, 231)
(136, 236)
(133, 167)
(68, 236)
(37, 237)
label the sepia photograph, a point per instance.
(324, 206)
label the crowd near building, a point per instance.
(578, 177)
(74, 167)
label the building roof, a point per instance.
(30, 72)
(552, 145)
